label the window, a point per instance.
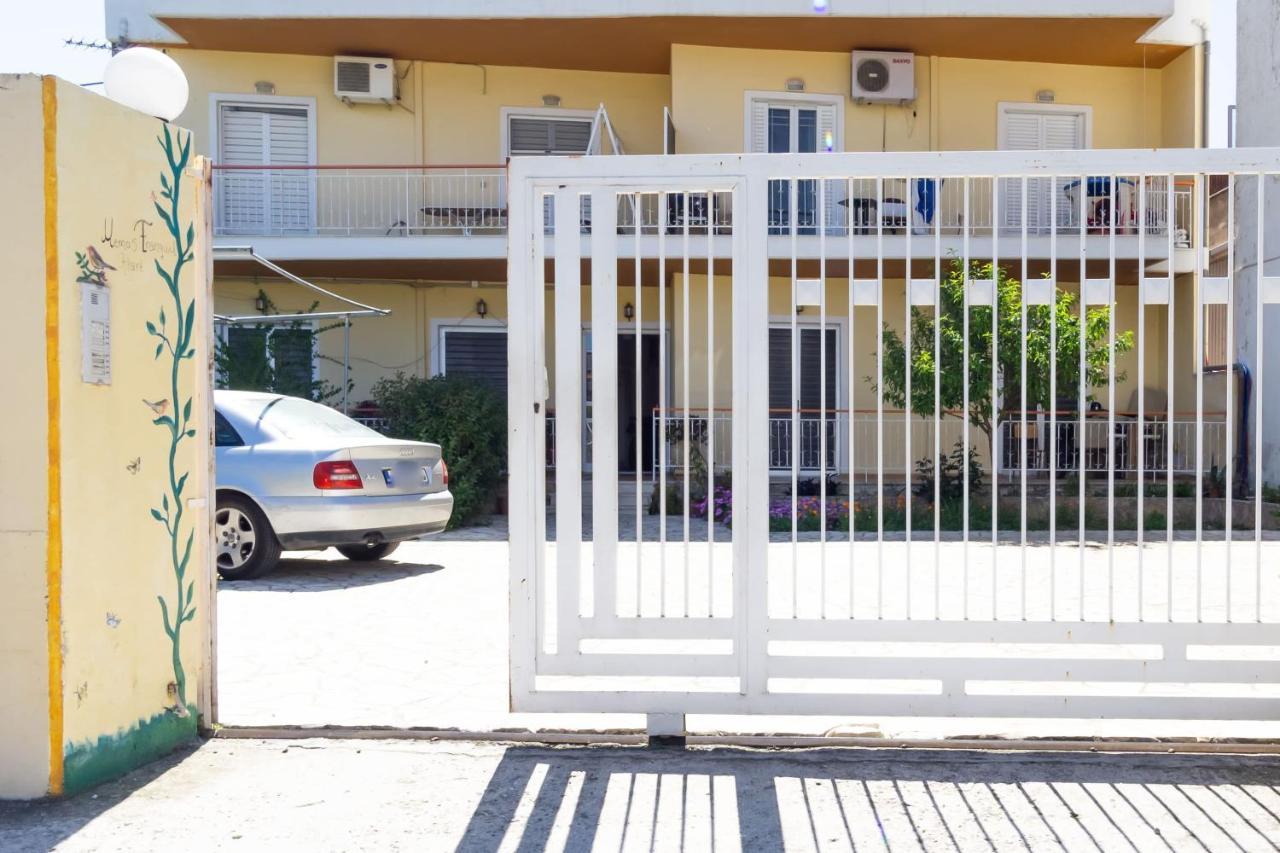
(540, 133)
(224, 434)
(264, 133)
(810, 401)
(476, 352)
(782, 124)
(280, 359)
(1042, 127)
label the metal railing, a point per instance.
(360, 201)
(467, 200)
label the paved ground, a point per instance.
(384, 795)
(421, 640)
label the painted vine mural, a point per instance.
(174, 334)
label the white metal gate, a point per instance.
(1104, 578)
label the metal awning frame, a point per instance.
(359, 309)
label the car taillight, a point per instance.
(444, 473)
(336, 475)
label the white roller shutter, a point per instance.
(1034, 129)
(266, 201)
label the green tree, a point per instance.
(979, 364)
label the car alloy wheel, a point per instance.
(235, 537)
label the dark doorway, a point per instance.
(628, 376)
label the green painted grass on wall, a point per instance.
(91, 763)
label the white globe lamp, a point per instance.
(148, 81)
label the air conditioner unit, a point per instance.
(363, 79)
(883, 77)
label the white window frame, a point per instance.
(542, 113)
(217, 100)
(836, 324)
(1005, 108)
(222, 331)
(793, 99)
(442, 326)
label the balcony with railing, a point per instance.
(880, 444)
(470, 201)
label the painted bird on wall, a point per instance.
(159, 406)
(96, 262)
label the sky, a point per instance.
(33, 41)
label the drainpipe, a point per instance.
(1242, 430)
(1204, 82)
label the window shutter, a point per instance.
(758, 142)
(810, 387)
(481, 355)
(251, 135)
(291, 351)
(533, 136)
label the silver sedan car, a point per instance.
(295, 475)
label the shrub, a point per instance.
(469, 422)
(952, 487)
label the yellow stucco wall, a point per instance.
(447, 113)
(956, 106)
(1182, 100)
(24, 660)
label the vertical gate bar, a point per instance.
(1082, 443)
(1197, 357)
(822, 394)
(569, 427)
(1259, 305)
(604, 400)
(879, 397)
(906, 420)
(937, 398)
(637, 204)
(1053, 398)
(1113, 308)
(664, 421)
(965, 228)
(794, 216)
(1231, 384)
(1170, 221)
(851, 392)
(1140, 523)
(524, 274)
(1022, 375)
(995, 395)
(685, 326)
(541, 599)
(711, 398)
(749, 470)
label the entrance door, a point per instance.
(631, 378)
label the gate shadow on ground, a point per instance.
(655, 799)
(309, 575)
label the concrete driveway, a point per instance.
(420, 640)
(318, 795)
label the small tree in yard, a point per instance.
(467, 418)
(979, 365)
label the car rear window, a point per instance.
(294, 418)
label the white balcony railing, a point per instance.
(811, 442)
(407, 201)
(360, 201)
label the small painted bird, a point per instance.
(135, 466)
(96, 261)
(159, 406)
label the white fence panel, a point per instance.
(996, 532)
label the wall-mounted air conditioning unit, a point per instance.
(883, 77)
(363, 79)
